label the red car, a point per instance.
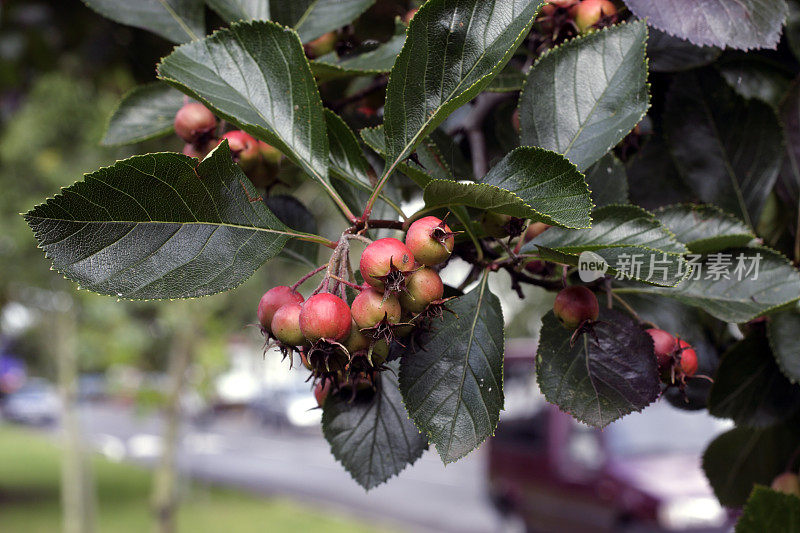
(550, 473)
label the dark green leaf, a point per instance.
(728, 149)
(653, 179)
(454, 49)
(528, 183)
(605, 375)
(769, 510)
(179, 21)
(272, 95)
(732, 299)
(671, 54)
(159, 226)
(622, 236)
(784, 330)
(582, 98)
(452, 384)
(235, 10)
(295, 215)
(742, 24)
(608, 181)
(793, 27)
(749, 387)
(375, 139)
(146, 112)
(289, 12)
(704, 228)
(346, 157)
(373, 437)
(742, 457)
(327, 15)
(757, 77)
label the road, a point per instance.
(239, 453)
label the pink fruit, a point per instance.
(379, 258)
(430, 240)
(664, 346)
(422, 287)
(286, 325)
(575, 305)
(371, 306)
(274, 299)
(688, 358)
(194, 121)
(325, 316)
(589, 12)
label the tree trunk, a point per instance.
(165, 482)
(77, 484)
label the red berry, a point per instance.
(380, 256)
(325, 316)
(321, 45)
(194, 121)
(244, 149)
(575, 305)
(430, 240)
(787, 483)
(272, 300)
(286, 325)
(534, 230)
(410, 15)
(371, 306)
(589, 12)
(688, 358)
(422, 287)
(321, 391)
(664, 346)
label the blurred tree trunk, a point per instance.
(77, 484)
(165, 483)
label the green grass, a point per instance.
(30, 501)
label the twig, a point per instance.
(627, 306)
(473, 127)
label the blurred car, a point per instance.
(35, 403)
(550, 473)
(291, 405)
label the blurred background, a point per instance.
(97, 396)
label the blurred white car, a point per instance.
(36, 403)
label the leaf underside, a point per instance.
(146, 112)
(179, 21)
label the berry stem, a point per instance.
(626, 305)
(349, 284)
(308, 276)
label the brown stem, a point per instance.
(308, 276)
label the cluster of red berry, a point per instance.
(196, 125)
(347, 345)
(577, 309)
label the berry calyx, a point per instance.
(500, 226)
(590, 12)
(385, 263)
(274, 299)
(322, 45)
(430, 240)
(325, 316)
(285, 325)
(371, 307)
(321, 391)
(788, 483)
(576, 305)
(687, 358)
(664, 345)
(193, 122)
(422, 287)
